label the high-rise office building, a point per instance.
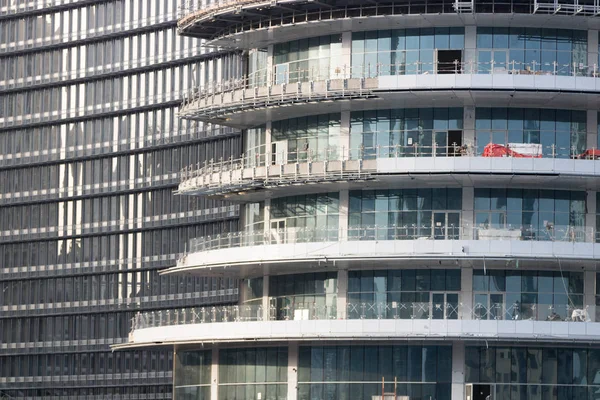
(419, 198)
(90, 151)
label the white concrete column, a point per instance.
(346, 60)
(458, 371)
(466, 293)
(292, 371)
(589, 291)
(342, 293)
(592, 54)
(270, 69)
(343, 216)
(267, 219)
(344, 150)
(592, 129)
(467, 214)
(470, 55)
(214, 374)
(266, 303)
(469, 127)
(590, 217)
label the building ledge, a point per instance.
(259, 23)
(237, 256)
(238, 105)
(241, 181)
(365, 329)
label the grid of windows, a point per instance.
(535, 373)
(192, 375)
(307, 59)
(255, 373)
(561, 133)
(402, 51)
(535, 50)
(536, 295)
(355, 372)
(90, 145)
(403, 293)
(405, 132)
(405, 214)
(531, 214)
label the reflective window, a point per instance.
(406, 132)
(536, 295)
(302, 60)
(303, 296)
(193, 375)
(405, 214)
(530, 214)
(253, 373)
(556, 133)
(539, 373)
(356, 372)
(403, 293)
(406, 51)
(306, 138)
(532, 51)
(305, 218)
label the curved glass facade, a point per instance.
(532, 372)
(356, 372)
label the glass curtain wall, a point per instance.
(405, 214)
(304, 296)
(532, 51)
(530, 214)
(403, 294)
(192, 375)
(521, 295)
(560, 133)
(535, 373)
(405, 132)
(255, 373)
(255, 146)
(307, 59)
(315, 138)
(304, 218)
(405, 51)
(356, 372)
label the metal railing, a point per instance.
(364, 310)
(260, 157)
(287, 73)
(313, 82)
(193, 10)
(406, 232)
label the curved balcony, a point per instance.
(248, 254)
(256, 23)
(388, 320)
(254, 178)
(243, 103)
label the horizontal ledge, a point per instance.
(359, 330)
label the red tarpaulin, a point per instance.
(497, 150)
(591, 154)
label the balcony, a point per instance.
(221, 20)
(539, 322)
(251, 101)
(245, 179)
(247, 254)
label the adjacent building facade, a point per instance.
(90, 152)
(418, 192)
